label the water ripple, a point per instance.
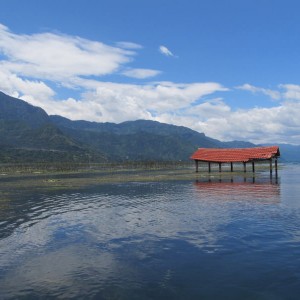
(154, 240)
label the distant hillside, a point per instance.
(16, 110)
(138, 140)
(29, 134)
(289, 153)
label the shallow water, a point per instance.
(234, 238)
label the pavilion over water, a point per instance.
(236, 155)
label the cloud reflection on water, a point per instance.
(129, 234)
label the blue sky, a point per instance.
(228, 68)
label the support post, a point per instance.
(197, 166)
(253, 167)
(220, 168)
(209, 167)
(244, 167)
(271, 166)
(231, 167)
(276, 166)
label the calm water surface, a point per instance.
(217, 239)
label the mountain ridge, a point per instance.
(26, 129)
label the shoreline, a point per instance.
(42, 181)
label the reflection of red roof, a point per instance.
(235, 154)
(238, 190)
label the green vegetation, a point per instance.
(29, 135)
(53, 168)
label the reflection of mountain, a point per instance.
(245, 189)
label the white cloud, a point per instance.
(271, 93)
(179, 104)
(292, 91)
(16, 87)
(129, 45)
(141, 73)
(215, 108)
(58, 57)
(112, 102)
(165, 51)
(279, 124)
(32, 63)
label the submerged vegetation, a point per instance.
(22, 178)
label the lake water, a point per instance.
(234, 238)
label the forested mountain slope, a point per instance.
(29, 134)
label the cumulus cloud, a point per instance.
(16, 86)
(33, 66)
(165, 51)
(113, 102)
(141, 73)
(279, 124)
(292, 91)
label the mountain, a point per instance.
(18, 111)
(139, 140)
(289, 153)
(29, 134)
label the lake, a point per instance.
(204, 238)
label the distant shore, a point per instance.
(66, 167)
(71, 167)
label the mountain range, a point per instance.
(29, 134)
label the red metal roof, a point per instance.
(235, 154)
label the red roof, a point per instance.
(235, 154)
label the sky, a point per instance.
(228, 68)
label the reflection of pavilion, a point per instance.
(240, 188)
